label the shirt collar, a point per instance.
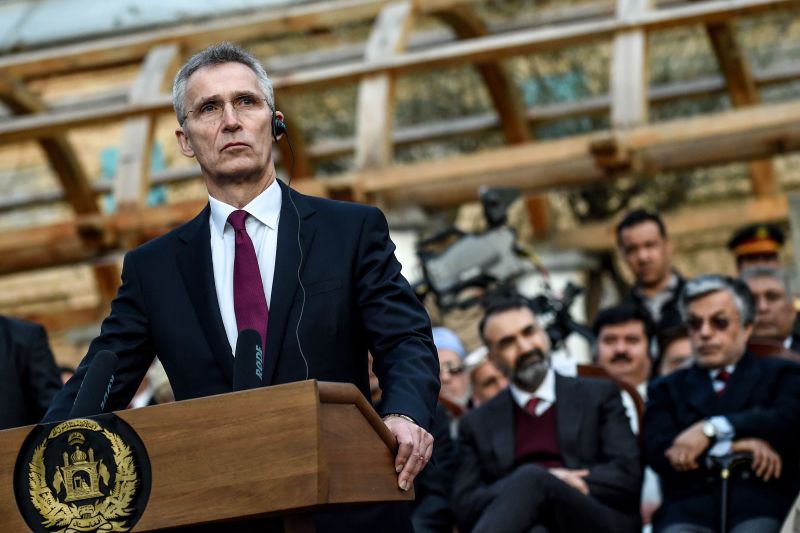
(546, 391)
(266, 208)
(713, 373)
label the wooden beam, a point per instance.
(496, 47)
(128, 49)
(132, 180)
(62, 158)
(737, 135)
(629, 79)
(506, 99)
(375, 105)
(599, 237)
(743, 92)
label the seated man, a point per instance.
(623, 349)
(454, 394)
(486, 380)
(775, 312)
(728, 401)
(550, 453)
(674, 350)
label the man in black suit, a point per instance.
(550, 453)
(317, 279)
(729, 401)
(29, 377)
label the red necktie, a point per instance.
(722, 377)
(249, 302)
(531, 406)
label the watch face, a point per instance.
(709, 430)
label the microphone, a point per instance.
(248, 366)
(96, 385)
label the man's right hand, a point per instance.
(767, 463)
(573, 478)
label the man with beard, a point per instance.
(647, 251)
(728, 401)
(550, 453)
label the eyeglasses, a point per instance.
(717, 323)
(245, 105)
(453, 369)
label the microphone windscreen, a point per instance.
(96, 385)
(248, 364)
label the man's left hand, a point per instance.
(415, 446)
(688, 447)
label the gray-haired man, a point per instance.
(729, 401)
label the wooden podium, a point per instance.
(282, 451)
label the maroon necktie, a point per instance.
(722, 377)
(531, 406)
(249, 302)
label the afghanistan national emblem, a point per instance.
(82, 475)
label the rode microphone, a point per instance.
(248, 365)
(96, 385)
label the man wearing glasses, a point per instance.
(316, 279)
(729, 401)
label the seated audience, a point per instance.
(674, 350)
(550, 453)
(486, 380)
(728, 401)
(623, 350)
(775, 312)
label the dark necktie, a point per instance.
(249, 302)
(531, 406)
(722, 378)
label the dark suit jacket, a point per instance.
(593, 433)
(356, 300)
(29, 377)
(762, 399)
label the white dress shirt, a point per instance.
(262, 227)
(546, 393)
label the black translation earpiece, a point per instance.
(278, 127)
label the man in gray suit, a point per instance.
(550, 453)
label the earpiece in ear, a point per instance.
(278, 127)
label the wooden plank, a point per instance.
(629, 72)
(375, 105)
(194, 35)
(743, 92)
(132, 180)
(62, 158)
(496, 47)
(598, 237)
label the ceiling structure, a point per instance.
(400, 43)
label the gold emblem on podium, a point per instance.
(83, 492)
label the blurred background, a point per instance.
(566, 114)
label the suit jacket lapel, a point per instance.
(568, 417)
(499, 424)
(287, 268)
(700, 391)
(740, 387)
(194, 262)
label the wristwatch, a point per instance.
(709, 429)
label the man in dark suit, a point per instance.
(29, 377)
(317, 279)
(728, 401)
(550, 453)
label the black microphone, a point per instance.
(96, 385)
(248, 366)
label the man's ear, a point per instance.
(183, 142)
